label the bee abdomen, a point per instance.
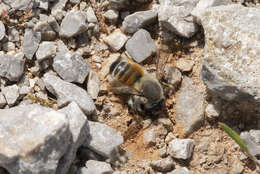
(126, 73)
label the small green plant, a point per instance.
(239, 141)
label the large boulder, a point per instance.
(231, 64)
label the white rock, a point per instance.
(67, 92)
(2, 30)
(78, 128)
(32, 132)
(141, 46)
(73, 24)
(111, 15)
(11, 94)
(116, 40)
(96, 167)
(175, 17)
(93, 84)
(46, 50)
(203, 4)
(103, 140)
(91, 17)
(181, 148)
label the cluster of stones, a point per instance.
(37, 139)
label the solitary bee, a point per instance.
(129, 77)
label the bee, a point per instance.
(129, 77)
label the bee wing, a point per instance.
(118, 88)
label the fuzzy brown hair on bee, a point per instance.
(133, 79)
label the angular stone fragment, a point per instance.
(31, 42)
(96, 167)
(91, 17)
(36, 143)
(253, 146)
(230, 65)
(111, 15)
(11, 67)
(175, 17)
(184, 65)
(189, 107)
(172, 75)
(93, 84)
(46, 50)
(2, 30)
(78, 128)
(20, 4)
(138, 20)
(163, 165)
(58, 5)
(140, 46)
(73, 24)
(13, 35)
(103, 140)
(181, 148)
(67, 92)
(181, 170)
(116, 40)
(71, 67)
(11, 94)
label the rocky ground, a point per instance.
(58, 115)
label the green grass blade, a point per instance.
(234, 136)
(239, 141)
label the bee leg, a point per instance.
(137, 103)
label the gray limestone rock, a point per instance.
(116, 40)
(20, 4)
(175, 17)
(93, 84)
(73, 24)
(230, 65)
(58, 6)
(172, 75)
(36, 143)
(184, 65)
(2, 30)
(13, 34)
(111, 15)
(204, 4)
(189, 107)
(138, 20)
(91, 17)
(181, 148)
(31, 42)
(96, 167)
(253, 146)
(140, 46)
(103, 140)
(256, 135)
(163, 165)
(11, 67)
(46, 50)
(11, 94)
(71, 67)
(181, 170)
(67, 92)
(78, 128)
